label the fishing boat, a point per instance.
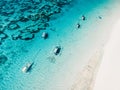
(83, 17)
(45, 35)
(27, 67)
(57, 50)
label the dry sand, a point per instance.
(86, 77)
(108, 77)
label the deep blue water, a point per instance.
(18, 19)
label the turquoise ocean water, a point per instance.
(49, 72)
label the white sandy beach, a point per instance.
(108, 77)
(86, 77)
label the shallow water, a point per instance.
(51, 72)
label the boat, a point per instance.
(45, 35)
(27, 67)
(57, 50)
(83, 17)
(78, 25)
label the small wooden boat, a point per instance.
(57, 50)
(83, 17)
(45, 35)
(27, 67)
(78, 25)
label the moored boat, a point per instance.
(57, 50)
(27, 67)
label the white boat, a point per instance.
(27, 67)
(57, 50)
(45, 35)
(78, 25)
(83, 17)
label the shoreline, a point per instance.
(86, 78)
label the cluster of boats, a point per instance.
(28, 66)
(56, 50)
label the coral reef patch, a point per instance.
(25, 18)
(3, 59)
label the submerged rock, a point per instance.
(16, 35)
(23, 19)
(23, 35)
(42, 26)
(3, 36)
(63, 2)
(7, 13)
(26, 36)
(60, 2)
(34, 30)
(13, 26)
(52, 59)
(34, 17)
(3, 59)
(100, 17)
(1, 27)
(48, 10)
